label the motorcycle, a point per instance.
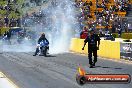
(43, 48)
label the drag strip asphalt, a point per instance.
(56, 71)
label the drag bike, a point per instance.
(43, 48)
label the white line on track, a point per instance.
(5, 82)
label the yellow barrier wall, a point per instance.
(108, 49)
(77, 44)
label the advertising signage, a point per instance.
(126, 51)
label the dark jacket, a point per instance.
(92, 40)
(42, 39)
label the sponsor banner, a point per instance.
(104, 79)
(126, 51)
(82, 78)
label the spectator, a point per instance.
(5, 34)
(90, 3)
(84, 33)
(86, 3)
(119, 32)
(1, 7)
(9, 1)
(6, 20)
(18, 21)
(8, 35)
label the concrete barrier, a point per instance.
(107, 49)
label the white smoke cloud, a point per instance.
(59, 29)
(63, 17)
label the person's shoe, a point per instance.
(34, 55)
(91, 66)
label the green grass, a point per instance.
(12, 14)
(124, 35)
(4, 29)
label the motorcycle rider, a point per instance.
(42, 38)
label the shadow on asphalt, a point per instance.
(97, 66)
(48, 55)
(51, 56)
(105, 67)
(117, 68)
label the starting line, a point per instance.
(5, 82)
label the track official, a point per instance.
(93, 45)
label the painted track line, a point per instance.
(6, 82)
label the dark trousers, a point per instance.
(92, 50)
(37, 50)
